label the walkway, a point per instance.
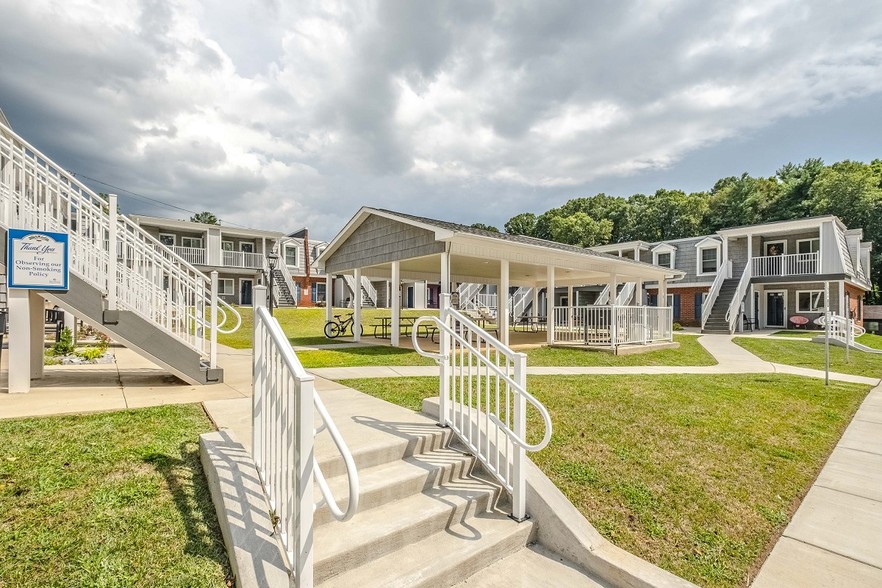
(731, 358)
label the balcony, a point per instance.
(192, 255)
(242, 259)
(796, 264)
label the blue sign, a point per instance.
(37, 260)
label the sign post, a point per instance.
(35, 261)
(827, 322)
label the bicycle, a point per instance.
(338, 327)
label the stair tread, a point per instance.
(443, 558)
(532, 566)
(394, 525)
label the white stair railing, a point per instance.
(624, 297)
(284, 407)
(841, 330)
(603, 297)
(468, 293)
(723, 272)
(483, 398)
(519, 301)
(369, 290)
(733, 314)
(107, 250)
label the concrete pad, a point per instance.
(417, 371)
(141, 397)
(529, 567)
(49, 401)
(854, 472)
(871, 414)
(811, 373)
(794, 564)
(243, 514)
(840, 523)
(863, 435)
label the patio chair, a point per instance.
(749, 322)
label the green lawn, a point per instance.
(361, 356)
(798, 334)
(811, 355)
(111, 499)
(697, 474)
(305, 326)
(870, 340)
(690, 353)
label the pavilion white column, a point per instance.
(842, 310)
(329, 297)
(445, 273)
(613, 286)
(663, 292)
(570, 305)
(549, 305)
(535, 307)
(356, 306)
(724, 262)
(638, 292)
(396, 303)
(502, 309)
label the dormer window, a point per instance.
(663, 255)
(707, 256)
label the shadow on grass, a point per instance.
(189, 489)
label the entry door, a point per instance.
(410, 297)
(245, 292)
(775, 309)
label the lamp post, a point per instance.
(271, 259)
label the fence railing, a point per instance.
(841, 328)
(795, 264)
(243, 259)
(141, 275)
(194, 255)
(284, 406)
(483, 398)
(612, 325)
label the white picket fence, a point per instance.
(612, 325)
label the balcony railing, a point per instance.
(796, 264)
(193, 255)
(242, 259)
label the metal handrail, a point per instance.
(546, 417)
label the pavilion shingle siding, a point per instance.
(381, 240)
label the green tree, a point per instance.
(204, 217)
(522, 224)
(484, 227)
(668, 214)
(581, 230)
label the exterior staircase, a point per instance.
(427, 517)
(368, 292)
(122, 280)
(281, 292)
(716, 322)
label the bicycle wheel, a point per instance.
(332, 329)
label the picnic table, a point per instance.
(383, 327)
(529, 323)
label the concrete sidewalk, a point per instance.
(130, 382)
(835, 537)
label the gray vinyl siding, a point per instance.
(789, 239)
(380, 240)
(685, 259)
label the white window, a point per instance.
(292, 255)
(227, 246)
(226, 287)
(663, 255)
(709, 260)
(195, 242)
(808, 245)
(167, 239)
(247, 247)
(810, 301)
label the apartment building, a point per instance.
(760, 275)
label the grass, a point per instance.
(111, 499)
(697, 474)
(811, 355)
(870, 340)
(797, 334)
(690, 353)
(361, 356)
(304, 326)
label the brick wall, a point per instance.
(855, 296)
(687, 311)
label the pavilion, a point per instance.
(397, 246)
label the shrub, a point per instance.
(677, 327)
(91, 353)
(65, 344)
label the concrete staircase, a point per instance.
(716, 322)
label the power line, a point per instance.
(147, 198)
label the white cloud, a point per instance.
(281, 115)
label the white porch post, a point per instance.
(663, 302)
(502, 302)
(356, 306)
(329, 298)
(111, 254)
(213, 322)
(445, 273)
(613, 294)
(535, 307)
(570, 306)
(21, 332)
(549, 305)
(638, 292)
(725, 253)
(396, 303)
(841, 302)
(37, 310)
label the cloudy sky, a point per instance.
(283, 114)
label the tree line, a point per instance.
(851, 190)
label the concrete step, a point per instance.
(399, 479)
(444, 558)
(532, 566)
(393, 526)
